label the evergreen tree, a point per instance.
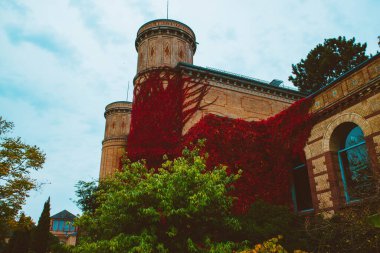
(40, 236)
(326, 62)
(19, 242)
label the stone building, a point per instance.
(61, 226)
(347, 108)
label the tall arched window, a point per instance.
(353, 160)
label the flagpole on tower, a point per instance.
(128, 91)
(167, 9)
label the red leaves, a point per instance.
(266, 150)
(164, 101)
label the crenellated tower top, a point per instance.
(164, 43)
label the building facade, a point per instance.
(345, 107)
(61, 226)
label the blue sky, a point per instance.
(62, 62)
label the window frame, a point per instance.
(294, 194)
(343, 174)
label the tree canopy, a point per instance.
(17, 161)
(179, 207)
(326, 62)
(20, 240)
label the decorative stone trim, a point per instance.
(307, 152)
(325, 200)
(343, 118)
(166, 30)
(319, 165)
(322, 182)
(114, 140)
(118, 107)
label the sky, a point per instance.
(62, 62)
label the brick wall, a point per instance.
(356, 99)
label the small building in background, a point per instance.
(61, 225)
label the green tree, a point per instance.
(326, 62)
(180, 207)
(264, 220)
(87, 192)
(17, 160)
(40, 236)
(19, 242)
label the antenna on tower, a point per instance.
(167, 9)
(128, 91)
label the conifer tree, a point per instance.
(326, 62)
(40, 236)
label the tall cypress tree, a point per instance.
(41, 234)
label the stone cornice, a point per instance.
(118, 107)
(241, 84)
(255, 91)
(114, 140)
(354, 97)
(233, 83)
(166, 22)
(166, 30)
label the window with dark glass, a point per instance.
(301, 189)
(354, 165)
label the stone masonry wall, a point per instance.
(357, 100)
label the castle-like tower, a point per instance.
(118, 119)
(164, 43)
(348, 103)
(159, 43)
(170, 43)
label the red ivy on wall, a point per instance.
(265, 150)
(164, 101)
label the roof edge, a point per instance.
(261, 83)
(344, 75)
(164, 19)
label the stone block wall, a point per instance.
(118, 119)
(356, 99)
(246, 101)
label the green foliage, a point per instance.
(374, 220)
(55, 246)
(19, 242)
(86, 193)
(17, 160)
(40, 236)
(179, 207)
(326, 62)
(265, 220)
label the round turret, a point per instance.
(118, 119)
(164, 43)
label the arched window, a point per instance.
(353, 160)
